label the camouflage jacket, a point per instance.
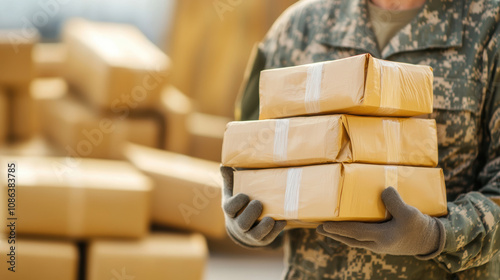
(460, 40)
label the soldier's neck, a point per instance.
(398, 5)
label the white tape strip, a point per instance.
(392, 134)
(391, 180)
(313, 88)
(281, 140)
(291, 204)
(390, 97)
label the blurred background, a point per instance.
(112, 114)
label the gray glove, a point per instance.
(409, 232)
(242, 226)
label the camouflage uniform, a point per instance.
(460, 40)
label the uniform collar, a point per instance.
(437, 25)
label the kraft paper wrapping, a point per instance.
(156, 257)
(333, 192)
(187, 193)
(333, 138)
(40, 259)
(81, 198)
(359, 85)
(114, 65)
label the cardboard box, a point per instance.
(175, 107)
(22, 112)
(81, 198)
(359, 85)
(145, 130)
(39, 259)
(332, 138)
(156, 257)
(75, 127)
(3, 116)
(114, 65)
(333, 192)
(187, 193)
(222, 54)
(207, 132)
(16, 55)
(49, 59)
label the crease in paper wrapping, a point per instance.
(155, 257)
(331, 138)
(37, 259)
(81, 198)
(333, 192)
(359, 85)
(187, 192)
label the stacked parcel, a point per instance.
(309, 169)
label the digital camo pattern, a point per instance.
(460, 40)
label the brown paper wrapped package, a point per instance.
(156, 257)
(16, 56)
(187, 193)
(359, 85)
(77, 128)
(40, 259)
(81, 198)
(332, 192)
(114, 65)
(333, 138)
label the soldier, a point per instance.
(460, 40)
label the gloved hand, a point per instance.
(409, 232)
(242, 226)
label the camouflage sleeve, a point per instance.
(473, 224)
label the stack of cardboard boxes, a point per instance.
(336, 166)
(89, 200)
(96, 187)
